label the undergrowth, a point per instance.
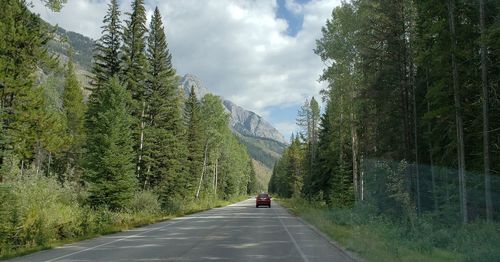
(380, 238)
(38, 212)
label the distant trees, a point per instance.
(74, 108)
(409, 81)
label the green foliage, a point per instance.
(55, 5)
(67, 169)
(106, 62)
(41, 211)
(390, 76)
(145, 201)
(109, 160)
(133, 52)
(165, 150)
(263, 150)
(376, 237)
(23, 106)
(75, 109)
(288, 172)
(194, 138)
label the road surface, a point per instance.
(239, 232)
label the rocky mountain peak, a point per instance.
(189, 81)
(243, 122)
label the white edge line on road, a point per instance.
(121, 239)
(350, 255)
(304, 258)
(181, 219)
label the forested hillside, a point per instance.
(404, 157)
(134, 152)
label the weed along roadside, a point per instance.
(377, 238)
(42, 214)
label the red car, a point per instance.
(263, 200)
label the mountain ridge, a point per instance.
(263, 141)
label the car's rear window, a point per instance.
(263, 195)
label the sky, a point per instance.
(257, 53)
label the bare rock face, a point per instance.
(250, 124)
(193, 81)
(243, 122)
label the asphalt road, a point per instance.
(239, 232)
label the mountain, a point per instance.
(264, 143)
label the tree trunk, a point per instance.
(202, 170)
(486, 137)
(415, 134)
(361, 178)
(431, 158)
(458, 117)
(216, 167)
(354, 148)
(141, 140)
(431, 161)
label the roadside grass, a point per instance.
(38, 213)
(376, 238)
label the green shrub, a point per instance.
(37, 211)
(145, 201)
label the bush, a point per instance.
(37, 211)
(145, 201)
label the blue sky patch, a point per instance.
(293, 19)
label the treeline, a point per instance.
(411, 120)
(135, 140)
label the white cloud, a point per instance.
(293, 6)
(239, 49)
(287, 128)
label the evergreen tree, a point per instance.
(107, 49)
(195, 140)
(165, 151)
(109, 159)
(74, 109)
(22, 49)
(134, 69)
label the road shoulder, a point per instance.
(348, 253)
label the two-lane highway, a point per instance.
(239, 232)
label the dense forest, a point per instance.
(410, 131)
(135, 150)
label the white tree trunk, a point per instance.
(141, 141)
(202, 170)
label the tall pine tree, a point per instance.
(165, 149)
(194, 136)
(134, 74)
(110, 159)
(107, 49)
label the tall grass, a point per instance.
(379, 238)
(38, 212)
